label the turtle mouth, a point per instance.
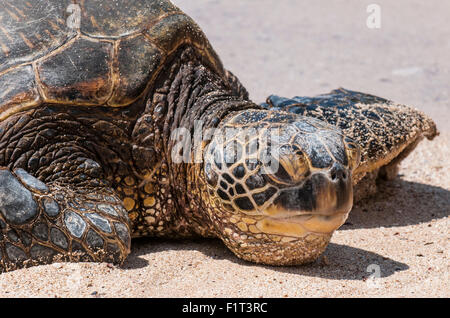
(319, 206)
(303, 224)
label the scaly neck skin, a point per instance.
(196, 95)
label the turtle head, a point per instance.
(279, 184)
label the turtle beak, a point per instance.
(320, 205)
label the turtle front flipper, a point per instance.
(385, 131)
(73, 219)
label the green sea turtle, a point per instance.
(118, 120)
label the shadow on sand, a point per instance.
(397, 203)
(358, 259)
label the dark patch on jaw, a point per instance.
(305, 198)
(297, 199)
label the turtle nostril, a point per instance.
(338, 172)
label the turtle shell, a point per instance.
(89, 52)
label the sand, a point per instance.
(393, 245)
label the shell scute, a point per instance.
(109, 59)
(18, 87)
(119, 18)
(175, 30)
(78, 74)
(31, 29)
(133, 77)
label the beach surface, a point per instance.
(394, 244)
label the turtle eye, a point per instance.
(282, 175)
(353, 153)
(292, 166)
